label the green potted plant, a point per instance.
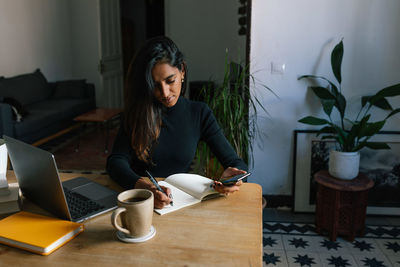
(236, 112)
(350, 135)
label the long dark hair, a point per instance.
(142, 111)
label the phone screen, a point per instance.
(234, 179)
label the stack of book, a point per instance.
(29, 231)
(10, 199)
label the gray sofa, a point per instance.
(31, 108)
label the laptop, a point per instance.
(77, 200)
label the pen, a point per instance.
(158, 186)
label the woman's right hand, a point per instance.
(160, 199)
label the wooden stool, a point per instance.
(341, 205)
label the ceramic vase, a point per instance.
(344, 165)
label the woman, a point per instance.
(161, 129)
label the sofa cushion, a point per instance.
(36, 121)
(67, 108)
(45, 113)
(19, 110)
(26, 88)
(70, 89)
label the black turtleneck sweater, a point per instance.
(183, 126)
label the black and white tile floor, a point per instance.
(296, 244)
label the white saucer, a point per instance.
(128, 239)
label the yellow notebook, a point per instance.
(37, 233)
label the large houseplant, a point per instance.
(350, 135)
(236, 112)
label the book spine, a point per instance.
(81, 228)
(39, 250)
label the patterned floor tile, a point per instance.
(337, 260)
(275, 258)
(382, 231)
(273, 242)
(390, 247)
(298, 243)
(298, 228)
(272, 227)
(363, 246)
(324, 245)
(309, 259)
(395, 260)
(372, 231)
(372, 260)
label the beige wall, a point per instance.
(85, 42)
(35, 34)
(58, 36)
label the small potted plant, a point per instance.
(350, 135)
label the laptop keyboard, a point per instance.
(80, 205)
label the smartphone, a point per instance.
(229, 181)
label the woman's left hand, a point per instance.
(230, 171)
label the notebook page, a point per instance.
(194, 184)
(181, 199)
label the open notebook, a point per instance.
(187, 189)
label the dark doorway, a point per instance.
(140, 20)
(155, 18)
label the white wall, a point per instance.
(86, 43)
(302, 34)
(58, 36)
(35, 34)
(203, 30)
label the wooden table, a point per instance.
(226, 231)
(99, 115)
(341, 204)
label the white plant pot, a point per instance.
(344, 165)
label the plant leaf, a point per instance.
(326, 130)
(341, 136)
(328, 105)
(390, 91)
(316, 77)
(322, 92)
(376, 145)
(336, 61)
(377, 101)
(364, 100)
(353, 134)
(383, 104)
(358, 131)
(362, 126)
(340, 100)
(393, 90)
(309, 76)
(341, 104)
(373, 128)
(397, 110)
(313, 121)
(269, 89)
